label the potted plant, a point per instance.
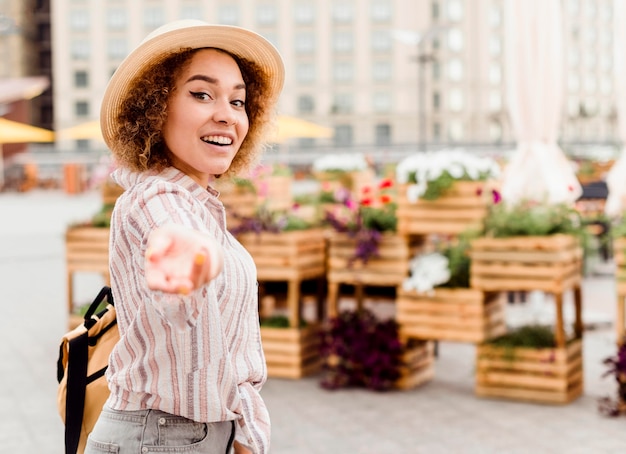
(360, 350)
(363, 246)
(529, 246)
(351, 171)
(289, 249)
(445, 192)
(436, 301)
(616, 367)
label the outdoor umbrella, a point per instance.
(538, 170)
(616, 200)
(287, 128)
(16, 132)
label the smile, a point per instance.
(217, 140)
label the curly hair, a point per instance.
(137, 141)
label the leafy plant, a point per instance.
(616, 367)
(361, 351)
(527, 218)
(265, 220)
(365, 220)
(528, 336)
(458, 257)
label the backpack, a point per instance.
(83, 360)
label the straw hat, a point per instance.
(194, 34)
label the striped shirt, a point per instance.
(198, 356)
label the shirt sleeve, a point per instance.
(160, 204)
(253, 429)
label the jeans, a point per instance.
(154, 431)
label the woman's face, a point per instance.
(206, 116)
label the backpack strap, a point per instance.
(78, 354)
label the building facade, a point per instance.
(381, 73)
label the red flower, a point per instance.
(386, 183)
(366, 202)
(385, 198)
(366, 190)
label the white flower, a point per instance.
(345, 162)
(427, 271)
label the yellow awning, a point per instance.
(16, 132)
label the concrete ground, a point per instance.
(442, 416)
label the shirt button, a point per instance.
(162, 421)
(144, 449)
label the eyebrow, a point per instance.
(212, 80)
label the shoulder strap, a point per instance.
(78, 354)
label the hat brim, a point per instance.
(193, 34)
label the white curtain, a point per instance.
(538, 169)
(616, 177)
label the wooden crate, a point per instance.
(110, 192)
(619, 255)
(86, 250)
(275, 192)
(550, 376)
(462, 207)
(389, 269)
(549, 263)
(418, 365)
(292, 352)
(457, 315)
(290, 257)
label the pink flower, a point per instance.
(497, 197)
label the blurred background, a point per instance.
(380, 77)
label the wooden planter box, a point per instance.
(275, 192)
(110, 192)
(619, 255)
(418, 365)
(354, 181)
(292, 352)
(86, 250)
(389, 269)
(462, 207)
(290, 257)
(549, 263)
(457, 315)
(551, 376)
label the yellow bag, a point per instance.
(83, 360)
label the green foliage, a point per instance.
(458, 257)
(529, 336)
(382, 219)
(281, 170)
(103, 217)
(439, 186)
(618, 228)
(279, 321)
(531, 219)
(244, 183)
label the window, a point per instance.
(383, 134)
(381, 41)
(573, 7)
(455, 40)
(381, 71)
(455, 100)
(606, 63)
(306, 104)
(606, 85)
(79, 20)
(342, 11)
(343, 72)
(573, 82)
(228, 14)
(381, 102)
(591, 84)
(455, 69)
(574, 58)
(455, 130)
(342, 41)
(81, 79)
(434, 10)
(381, 11)
(495, 17)
(153, 17)
(191, 12)
(495, 131)
(573, 107)
(305, 72)
(436, 101)
(343, 135)
(495, 74)
(304, 42)
(116, 19)
(455, 10)
(80, 49)
(437, 131)
(117, 48)
(495, 101)
(304, 13)
(81, 108)
(343, 103)
(266, 14)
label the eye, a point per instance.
(238, 103)
(200, 95)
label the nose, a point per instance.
(224, 113)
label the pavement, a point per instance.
(442, 416)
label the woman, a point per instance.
(191, 103)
